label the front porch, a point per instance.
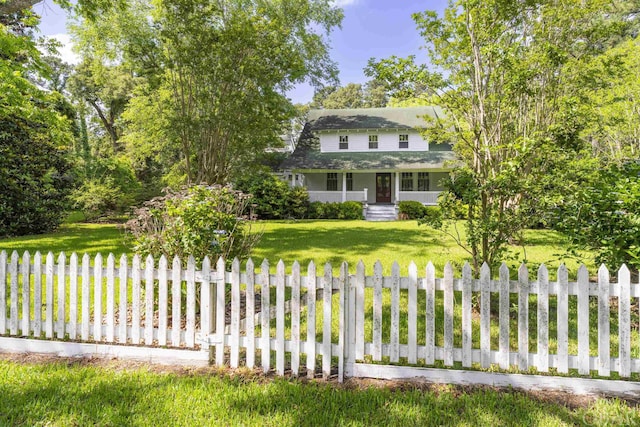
(375, 187)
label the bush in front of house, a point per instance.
(411, 209)
(272, 197)
(200, 220)
(335, 210)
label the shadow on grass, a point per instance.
(60, 394)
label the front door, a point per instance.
(383, 188)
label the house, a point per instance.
(373, 155)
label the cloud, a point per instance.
(345, 3)
(65, 51)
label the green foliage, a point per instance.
(411, 209)
(200, 221)
(109, 186)
(604, 215)
(337, 210)
(272, 197)
(34, 170)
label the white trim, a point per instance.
(163, 356)
(494, 379)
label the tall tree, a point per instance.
(226, 102)
(510, 76)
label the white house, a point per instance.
(373, 155)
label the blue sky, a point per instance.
(371, 28)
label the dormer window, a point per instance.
(403, 141)
(373, 142)
(344, 142)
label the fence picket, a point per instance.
(542, 362)
(624, 322)
(62, 283)
(523, 318)
(207, 305)
(604, 350)
(123, 287)
(13, 310)
(84, 326)
(485, 316)
(149, 266)
(234, 339)
(37, 295)
(111, 298)
(176, 301)
(377, 311)
(97, 298)
(163, 298)
(343, 283)
(73, 297)
(412, 314)
(190, 332)
(466, 316)
(563, 320)
(448, 314)
(430, 314)
(250, 326)
(26, 293)
(280, 295)
(394, 353)
(504, 320)
(583, 321)
(220, 310)
(3, 292)
(135, 299)
(48, 326)
(265, 354)
(295, 318)
(312, 283)
(327, 292)
(360, 282)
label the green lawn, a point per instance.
(67, 393)
(319, 240)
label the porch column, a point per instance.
(397, 192)
(344, 186)
(293, 179)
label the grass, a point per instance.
(323, 242)
(75, 393)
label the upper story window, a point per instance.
(332, 181)
(344, 142)
(423, 181)
(403, 141)
(349, 180)
(373, 142)
(406, 183)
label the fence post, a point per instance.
(207, 306)
(343, 321)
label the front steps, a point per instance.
(381, 213)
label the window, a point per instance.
(332, 182)
(349, 181)
(423, 181)
(373, 142)
(344, 142)
(403, 141)
(406, 183)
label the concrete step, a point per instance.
(381, 213)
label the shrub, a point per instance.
(274, 198)
(411, 209)
(346, 210)
(200, 221)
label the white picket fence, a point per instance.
(377, 316)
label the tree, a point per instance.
(226, 103)
(353, 95)
(34, 136)
(510, 77)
